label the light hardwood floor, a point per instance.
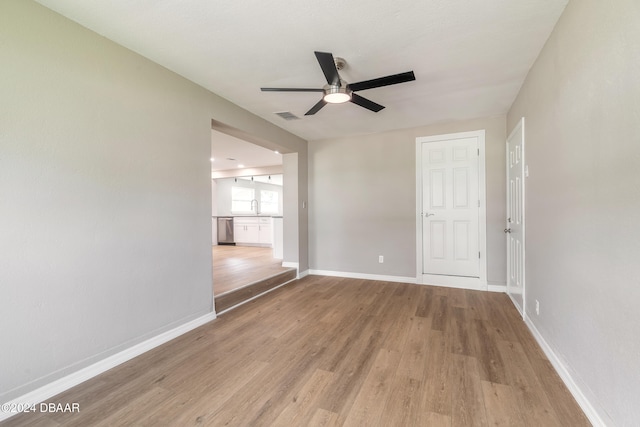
(237, 266)
(331, 351)
(232, 298)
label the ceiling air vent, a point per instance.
(287, 115)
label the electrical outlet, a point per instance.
(537, 307)
(380, 259)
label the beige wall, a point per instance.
(105, 206)
(581, 103)
(363, 200)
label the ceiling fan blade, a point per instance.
(289, 89)
(316, 107)
(383, 81)
(364, 102)
(328, 66)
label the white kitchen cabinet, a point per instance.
(245, 233)
(264, 231)
(278, 240)
(255, 231)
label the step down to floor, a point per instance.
(235, 297)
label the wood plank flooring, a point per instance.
(237, 266)
(236, 296)
(336, 352)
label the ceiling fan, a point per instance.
(337, 91)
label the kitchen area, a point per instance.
(249, 212)
(247, 206)
(247, 230)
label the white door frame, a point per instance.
(519, 128)
(479, 283)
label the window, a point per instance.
(241, 198)
(268, 202)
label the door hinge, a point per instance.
(478, 255)
(478, 151)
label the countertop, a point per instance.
(246, 216)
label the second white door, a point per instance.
(515, 228)
(450, 208)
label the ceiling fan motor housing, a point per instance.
(340, 63)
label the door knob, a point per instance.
(507, 230)
(427, 215)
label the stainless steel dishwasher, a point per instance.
(225, 231)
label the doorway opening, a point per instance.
(247, 220)
(451, 210)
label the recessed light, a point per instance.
(212, 159)
(240, 166)
(277, 152)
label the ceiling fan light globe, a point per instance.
(337, 98)
(337, 94)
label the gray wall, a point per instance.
(291, 212)
(105, 196)
(363, 200)
(581, 103)
(303, 209)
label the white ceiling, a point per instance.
(469, 57)
(224, 147)
(267, 179)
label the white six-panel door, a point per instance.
(450, 207)
(514, 227)
(451, 212)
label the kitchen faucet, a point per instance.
(257, 207)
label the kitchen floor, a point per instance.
(238, 266)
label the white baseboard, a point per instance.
(399, 279)
(447, 281)
(574, 388)
(497, 287)
(58, 386)
(458, 282)
(295, 265)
